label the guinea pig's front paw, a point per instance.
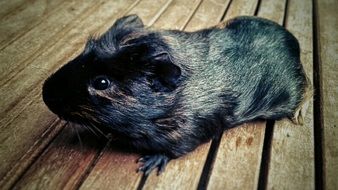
(150, 162)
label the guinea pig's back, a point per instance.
(262, 59)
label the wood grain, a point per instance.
(63, 163)
(328, 60)
(17, 137)
(237, 163)
(114, 170)
(8, 7)
(19, 166)
(292, 151)
(182, 173)
(238, 158)
(25, 49)
(18, 23)
(240, 8)
(179, 13)
(272, 10)
(209, 14)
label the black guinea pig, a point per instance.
(164, 92)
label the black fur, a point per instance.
(169, 91)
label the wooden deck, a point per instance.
(38, 151)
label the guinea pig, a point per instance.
(165, 92)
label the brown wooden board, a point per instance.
(115, 169)
(29, 156)
(18, 23)
(292, 152)
(64, 162)
(238, 158)
(209, 14)
(182, 173)
(10, 7)
(237, 164)
(179, 12)
(240, 8)
(328, 62)
(17, 137)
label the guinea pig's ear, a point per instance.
(130, 21)
(165, 75)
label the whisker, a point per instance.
(78, 136)
(91, 130)
(98, 130)
(90, 125)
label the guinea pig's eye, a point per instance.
(101, 83)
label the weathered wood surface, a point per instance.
(63, 164)
(327, 37)
(17, 23)
(292, 146)
(38, 151)
(238, 158)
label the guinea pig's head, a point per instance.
(124, 76)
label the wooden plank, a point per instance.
(273, 10)
(17, 137)
(18, 23)
(240, 8)
(116, 169)
(237, 164)
(238, 158)
(22, 125)
(147, 16)
(200, 20)
(179, 13)
(63, 163)
(182, 173)
(43, 174)
(24, 50)
(8, 7)
(328, 59)
(19, 166)
(292, 151)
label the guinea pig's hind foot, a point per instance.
(299, 115)
(150, 162)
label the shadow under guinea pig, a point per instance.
(80, 139)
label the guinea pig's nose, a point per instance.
(54, 97)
